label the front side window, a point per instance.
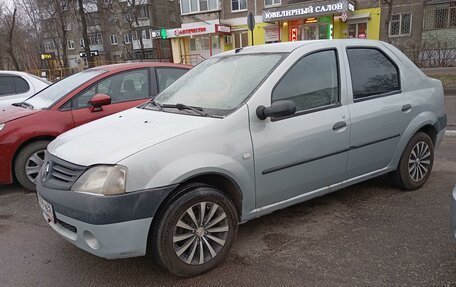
(238, 5)
(372, 73)
(126, 86)
(313, 82)
(10, 85)
(401, 24)
(221, 84)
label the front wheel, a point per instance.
(416, 163)
(28, 164)
(195, 232)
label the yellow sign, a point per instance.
(46, 56)
(310, 20)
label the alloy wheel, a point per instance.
(419, 161)
(200, 233)
(34, 164)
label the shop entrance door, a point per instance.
(310, 32)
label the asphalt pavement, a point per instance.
(367, 234)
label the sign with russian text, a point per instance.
(222, 29)
(307, 10)
(183, 32)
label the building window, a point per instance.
(401, 24)
(81, 42)
(241, 39)
(238, 5)
(272, 2)
(358, 30)
(70, 45)
(95, 39)
(440, 16)
(195, 6)
(143, 12)
(49, 44)
(113, 40)
(127, 38)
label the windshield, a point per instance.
(219, 85)
(47, 97)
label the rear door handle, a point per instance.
(339, 125)
(406, 107)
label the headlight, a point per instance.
(2, 126)
(102, 180)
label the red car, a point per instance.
(26, 128)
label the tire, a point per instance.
(416, 163)
(29, 160)
(183, 257)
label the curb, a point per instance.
(450, 133)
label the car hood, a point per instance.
(111, 139)
(9, 112)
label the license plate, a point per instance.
(47, 208)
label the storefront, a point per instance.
(193, 44)
(325, 20)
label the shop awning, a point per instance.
(359, 17)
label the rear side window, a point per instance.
(10, 85)
(167, 76)
(313, 82)
(372, 73)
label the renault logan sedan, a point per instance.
(243, 134)
(27, 127)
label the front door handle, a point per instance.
(406, 108)
(339, 125)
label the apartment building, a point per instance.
(118, 31)
(212, 26)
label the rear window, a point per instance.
(12, 85)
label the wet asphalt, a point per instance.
(367, 234)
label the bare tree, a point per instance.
(9, 20)
(389, 12)
(85, 35)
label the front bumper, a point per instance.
(106, 226)
(453, 212)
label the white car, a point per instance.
(18, 86)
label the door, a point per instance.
(126, 89)
(310, 32)
(380, 112)
(308, 151)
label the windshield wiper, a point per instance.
(180, 107)
(23, 105)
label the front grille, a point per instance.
(60, 174)
(68, 226)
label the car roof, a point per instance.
(288, 47)
(128, 66)
(18, 73)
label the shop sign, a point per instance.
(271, 34)
(222, 29)
(92, 53)
(310, 20)
(307, 10)
(184, 32)
(294, 34)
(47, 56)
(155, 34)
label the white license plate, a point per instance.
(47, 208)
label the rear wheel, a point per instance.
(195, 232)
(28, 164)
(416, 163)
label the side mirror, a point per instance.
(277, 109)
(98, 101)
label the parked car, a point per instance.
(27, 127)
(243, 134)
(18, 86)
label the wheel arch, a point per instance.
(218, 180)
(23, 145)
